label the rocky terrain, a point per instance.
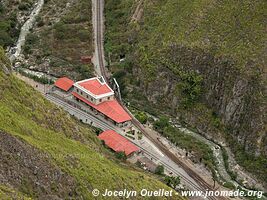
(13, 13)
(47, 154)
(203, 61)
(25, 167)
(59, 39)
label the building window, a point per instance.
(108, 98)
(87, 96)
(81, 92)
(91, 99)
(77, 90)
(100, 100)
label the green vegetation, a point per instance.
(4, 61)
(8, 29)
(172, 181)
(201, 151)
(130, 136)
(253, 164)
(118, 14)
(31, 40)
(159, 170)
(24, 113)
(160, 124)
(141, 117)
(38, 79)
(190, 87)
(8, 193)
(226, 163)
(63, 41)
(9, 25)
(140, 135)
(229, 185)
(121, 155)
(199, 49)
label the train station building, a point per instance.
(99, 97)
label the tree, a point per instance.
(172, 181)
(5, 39)
(159, 170)
(161, 124)
(98, 131)
(121, 155)
(190, 87)
(141, 117)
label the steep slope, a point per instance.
(13, 14)
(204, 61)
(46, 154)
(7, 193)
(61, 35)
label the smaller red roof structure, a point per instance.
(111, 109)
(86, 59)
(117, 142)
(95, 86)
(64, 83)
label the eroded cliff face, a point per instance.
(30, 170)
(209, 54)
(234, 95)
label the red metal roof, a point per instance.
(64, 83)
(95, 86)
(111, 109)
(117, 142)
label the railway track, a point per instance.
(103, 125)
(99, 41)
(203, 185)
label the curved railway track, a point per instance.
(203, 185)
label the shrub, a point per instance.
(2, 8)
(39, 21)
(160, 124)
(229, 185)
(141, 117)
(5, 39)
(60, 30)
(172, 181)
(190, 87)
(121, 155)
(130, 136)
(159, 170)
(23, 6)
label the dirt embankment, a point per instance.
(30, 171)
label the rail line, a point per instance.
(202, 183)
(102, 124)
(99, 41)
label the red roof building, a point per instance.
(95, 86)
(111, 109)
(96, 93)
(117, 142)
(86, 59)
(64, 83)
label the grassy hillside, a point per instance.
(71, 146)
(7, 193)
(235, 29)
(203, 61)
